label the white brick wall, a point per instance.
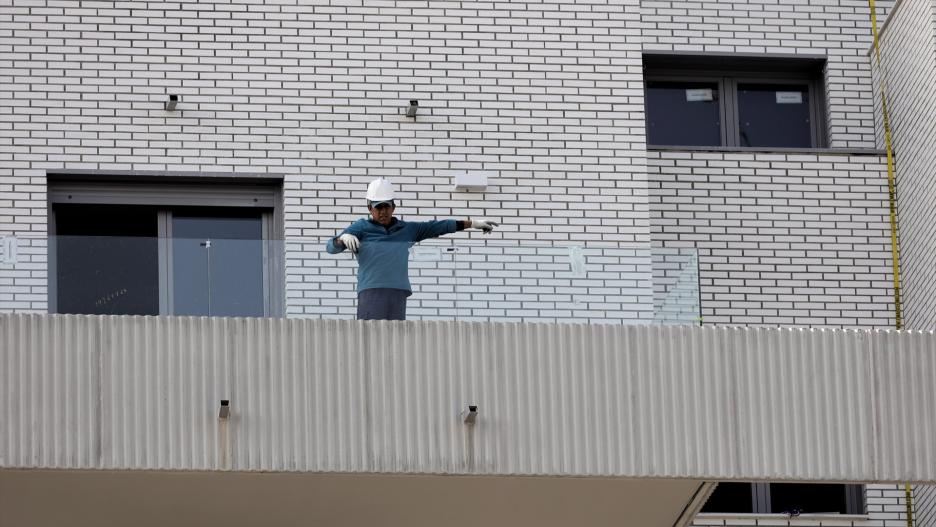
(909, 58)
(908, 55)
(546, 96)
(837, 29)
(783, 239)
(23, 277)
(887, 506)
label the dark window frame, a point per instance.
(729, 72)
(167, 194)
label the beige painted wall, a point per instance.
(149, 498)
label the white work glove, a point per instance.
(485, 225)
(350, 241)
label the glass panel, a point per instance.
(227, 223)
(554, 283)
(452, 279)
(100, 275)
(217, 264)
(683, 114)
(730, 497)
(775, 115)
(676, 286)
(106, 260)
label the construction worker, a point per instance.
(382, 244)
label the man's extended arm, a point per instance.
(484, 225)
(433, 229)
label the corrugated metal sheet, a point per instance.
(346, 396)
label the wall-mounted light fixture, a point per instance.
(171, 103)
(411, 110)
(472, 415)
(225, 411)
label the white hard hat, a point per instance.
(379, 191)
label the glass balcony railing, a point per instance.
(450, 278)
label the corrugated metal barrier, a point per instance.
(583, 400)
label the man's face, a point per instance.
(382, 213)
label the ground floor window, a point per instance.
(786, 498)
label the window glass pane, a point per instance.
(683, 114)
(730, 497)
(219, 222)
(106, 260)
(775, 115)
(217, 263)
(808, 498)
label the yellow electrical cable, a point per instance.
(892, 197)
(908, 497)
(891, 180)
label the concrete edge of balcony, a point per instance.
(759, 150)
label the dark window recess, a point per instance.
(683, 113)
(774, 115)
(815, 498)
(217, 262)
(786, 498)
(730, 497)
(106, 260)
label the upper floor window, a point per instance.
(150, 248)
(734, 102)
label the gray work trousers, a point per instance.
(382, 304)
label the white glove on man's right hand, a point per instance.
(350, 241)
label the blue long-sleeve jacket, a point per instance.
(383, 259)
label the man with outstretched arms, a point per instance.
(382, 244)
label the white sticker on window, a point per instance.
(699, 94)
(789, 97)
(8, 250)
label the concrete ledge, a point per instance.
(748, 150)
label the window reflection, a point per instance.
(106, 260)
(774, 115)
(683, 113)
(217, 263)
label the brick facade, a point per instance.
(547, 97)
(783, 239)
(908, 55)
